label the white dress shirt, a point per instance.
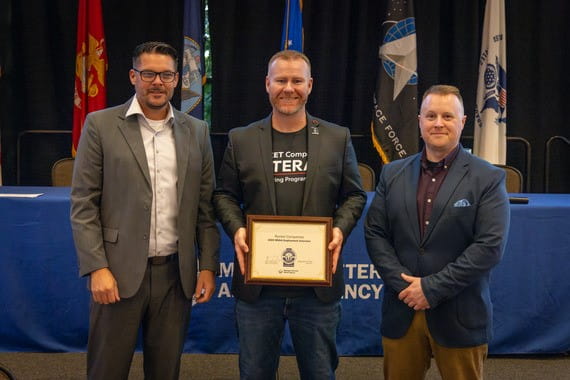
(158, 139)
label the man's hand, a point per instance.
(413, 295)
(205, 286)
(241, 248)
(104, 287)
(335, 246)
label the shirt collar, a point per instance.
(446, 162)
(135, 109)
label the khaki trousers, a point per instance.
(409, 357)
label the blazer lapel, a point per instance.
(130, 129)
(182, 140)
(412, 177)
(266, 155)
(313, 148)
(456, 173)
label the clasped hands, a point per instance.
(413, 295)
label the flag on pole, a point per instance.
(292, 36)
(490, 132)
(90, 66)
(193, 73)
(3, 61)
(0, 160)
(394, 127)
(1, 73)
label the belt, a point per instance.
(159, 260)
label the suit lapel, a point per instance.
(456, 174)
(412, 177)
(130, 129)
(182, 140)
(266, 154)
(313, 148)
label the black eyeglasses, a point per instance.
(148, 75)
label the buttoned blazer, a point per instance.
(111, 198)
(465, 238)
(246, 185)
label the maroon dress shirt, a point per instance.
(432, 175)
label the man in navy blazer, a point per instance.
(289, 163)
(437, 226)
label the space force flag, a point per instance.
(292, 36)
(193, 73)
(395, 120)
(490, 132)
(90, 66)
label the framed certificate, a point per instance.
(288, 250)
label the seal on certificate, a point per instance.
(288, 257)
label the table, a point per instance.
(44, 304)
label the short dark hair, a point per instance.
(155, 47)
(444, 89)
(289, 55)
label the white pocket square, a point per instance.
(462, 203)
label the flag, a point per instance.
(490, 132)
(0, 159)
(394, 127)
(292, 36)
(90, 66)
(1, 72)
(193, 73)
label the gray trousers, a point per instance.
(160, 308)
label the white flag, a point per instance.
(490, 131)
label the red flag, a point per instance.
(90, 65)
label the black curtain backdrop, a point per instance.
(342, 40)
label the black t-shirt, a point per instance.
(290, 158)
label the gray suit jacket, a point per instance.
(111, 196)
(332, 188)
(466, 237)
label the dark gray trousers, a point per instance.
(160, 308)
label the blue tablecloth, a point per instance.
(44, 304)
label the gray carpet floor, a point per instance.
(68, 366)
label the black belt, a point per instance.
(159, 260)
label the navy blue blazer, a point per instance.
(466, 237)
(246, 185)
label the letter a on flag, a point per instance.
(395, 120)
(490, 132)
(90, 66)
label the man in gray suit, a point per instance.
(143, 221)
(289, 163)
(437, 225)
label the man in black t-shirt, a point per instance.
(289, 163)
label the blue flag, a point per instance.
(193, 73)
(292, 37)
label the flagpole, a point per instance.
(287, 15)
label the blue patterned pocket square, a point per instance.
(462, 203)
